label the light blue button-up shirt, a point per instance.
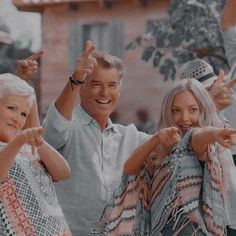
(96, 159)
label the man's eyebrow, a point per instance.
(95, 81)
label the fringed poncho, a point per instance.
(179, 193)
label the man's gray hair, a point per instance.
(109, 61)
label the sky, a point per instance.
(24, 27)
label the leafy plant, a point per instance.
(191, 30)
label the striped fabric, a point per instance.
(28, 201)
(180, 191)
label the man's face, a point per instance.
(100, 92)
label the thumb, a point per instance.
(221, 76)
(23, 63)
(174, 130)
(41, 130)
(36, 55)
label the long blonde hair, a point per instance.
(208, 114)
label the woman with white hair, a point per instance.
(175, 183)
(28, 166)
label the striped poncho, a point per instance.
(179, 196)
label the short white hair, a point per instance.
(12, 84)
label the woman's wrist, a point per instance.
(156, 136)
(19, 139)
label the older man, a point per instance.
(94, 147)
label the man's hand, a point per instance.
(222, 93)
(230, 84)
(27, 68)
(86, 63)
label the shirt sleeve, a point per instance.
(143, 137)
(57, 127)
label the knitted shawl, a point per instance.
(179, 189)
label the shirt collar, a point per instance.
(86, 119)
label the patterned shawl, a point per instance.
(28, 201)
(179, 189)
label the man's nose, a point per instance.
(104, 90)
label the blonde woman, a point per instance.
(175, 183)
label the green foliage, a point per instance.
(9, 54)
(191, 30)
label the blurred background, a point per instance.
(24, 27)
(153, 37)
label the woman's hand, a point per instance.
(169, 136)
(225, 137)
(32, 136)
(202, 137)
(27, 68)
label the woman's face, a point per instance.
(185, 111)
(14, 110)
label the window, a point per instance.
(106, 36)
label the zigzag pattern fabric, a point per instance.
(28, 202)
(179, 196)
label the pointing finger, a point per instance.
(35, 56)
(229, 132)
(88, 44)
(221, 77)
(23, 63)
(174, 130)
(89, 49)
(230, 84)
